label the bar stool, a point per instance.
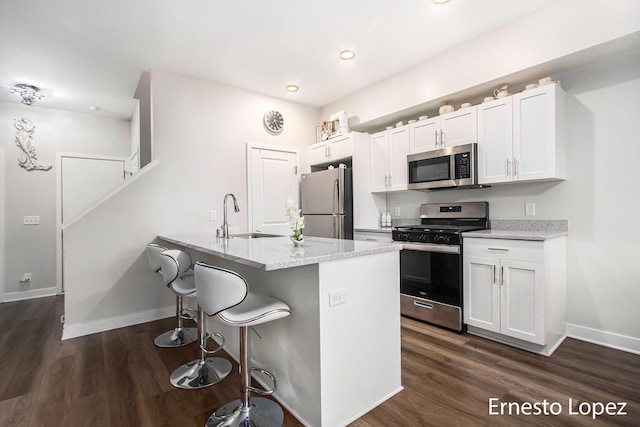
(204, 371)
(225, 294)
(180, 336)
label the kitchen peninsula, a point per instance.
(338, 355)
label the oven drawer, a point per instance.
(431, 311)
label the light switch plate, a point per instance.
(31, 220)
(213, 216)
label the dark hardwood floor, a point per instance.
(119, 378)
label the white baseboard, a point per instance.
(603, 338)
(78, 330)
(30, 294)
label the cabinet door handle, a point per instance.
(502, 275)
(498, 249)
(495, 275)
(436, 138)
(326, 151)
(390, 180)
(329, 147)
(508, 167)
(515, 167)
(442, 137)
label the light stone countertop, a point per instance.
(534, 230)
(274, 253)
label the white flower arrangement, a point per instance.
(295, 220)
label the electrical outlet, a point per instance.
(31, 220)
(26, 278)
(529, 209)
(339, 296)
(213, 216)
(396, 211)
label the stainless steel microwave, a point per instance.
(444, 168)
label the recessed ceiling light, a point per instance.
(93, 108)
(292, 88)
(347, 55)
(440, 1)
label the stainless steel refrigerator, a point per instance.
(327, 203)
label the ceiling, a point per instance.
(91, 53)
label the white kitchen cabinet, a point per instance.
(333, 149)
(424, 135)
(448, 130)
(527, 145)
(367, 206)
(495, 140)
(514, 291)
(373, 236)
(538, 133)
(389, 151)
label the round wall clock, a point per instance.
(273, 121)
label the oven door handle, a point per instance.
(426, 247)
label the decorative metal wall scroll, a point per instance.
(24, 135)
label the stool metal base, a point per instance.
(261, 412)
(177, 337)
(196, 374)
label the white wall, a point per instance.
(31, 249)
(536, 42)
(599, 197)
(200, 135)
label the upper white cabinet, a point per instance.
(337, 148)
(516, 289)
(521, 137)
(389, 151)
(495, 140)
(447, 130)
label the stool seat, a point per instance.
(184, 286)
(254, 310)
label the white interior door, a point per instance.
(272, 177)
(87, 180)
(82, 180)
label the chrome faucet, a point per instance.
(225, 224)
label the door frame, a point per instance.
(59, 225)
(255, 145)
(2, 222)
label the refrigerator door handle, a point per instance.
(338, 226)
(336, 196)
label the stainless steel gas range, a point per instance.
(431, 261)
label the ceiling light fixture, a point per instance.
(292, 88)
(440, 1)
(347, 55)
(28, 93)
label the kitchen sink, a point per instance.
(253, 235)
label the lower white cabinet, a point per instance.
(514, 291)
(373, 236)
